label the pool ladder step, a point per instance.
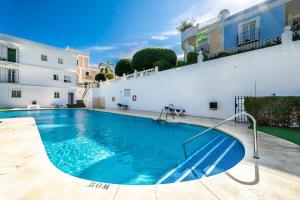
(201, 163)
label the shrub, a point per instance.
(100, 77)
(181, 63)
(162, 65)
(109, 75)
(283, 112)
(123, 66)
(192, 58)
(144, 59)
(184, 26)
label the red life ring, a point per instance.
(113, 99)
(134, 98)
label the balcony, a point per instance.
(190, 32)
(246, 37)
(250, 46)
(9, 54)
(9, 75)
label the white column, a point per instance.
(287, 38)
(156, 70)
(200, 57)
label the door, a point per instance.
(70, 98)
(11, 55)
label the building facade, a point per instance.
(258, 23)
(85, 71)
(35, 73)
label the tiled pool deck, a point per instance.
(27, 173)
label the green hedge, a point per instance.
(162, 65)
(123, 66)
(100, 77)
(192, 58)
(280, 112)
(144, 59)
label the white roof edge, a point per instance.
(19, 39)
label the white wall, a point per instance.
(36, 76)
(42, 95)
(274, 69)
(30, 53)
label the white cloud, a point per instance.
(159, 37)
(101, 48)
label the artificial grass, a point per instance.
(287, 134)
(3, 109)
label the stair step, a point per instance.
(203, 162)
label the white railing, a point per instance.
(194, 30)
(135, 75)
(208, 22)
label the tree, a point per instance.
(192, 58)
(100, 77)
(109, 75)
(123, 66)
(185, 25)
(144, 59)
(162, 65)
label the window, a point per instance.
(56, 95)
(16, 94)
(87, 73)
(12, 76)
(67, 79)
(77, 62)
(60, 61)
(44, 57)
(11, 55)
(55, 77)
(248, 31)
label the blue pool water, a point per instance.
(120, 149)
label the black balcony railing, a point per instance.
(204, 48)
(295, 27)
(246, 37)
(243, 48)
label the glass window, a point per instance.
(55, 77)
(87, 73)
(60, 61)
(16, 94)
(44, 57)
(11, 55)
(56, 95)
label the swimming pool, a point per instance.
(121, 149)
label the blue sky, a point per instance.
(108, 29)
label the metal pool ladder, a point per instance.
(219, 124)
(166, 110)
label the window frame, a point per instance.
(16, 93)
(60, 60)
(44, 58)
(56, 95)
(55, 77)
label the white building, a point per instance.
(32, 72)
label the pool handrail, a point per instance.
(255, 145)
